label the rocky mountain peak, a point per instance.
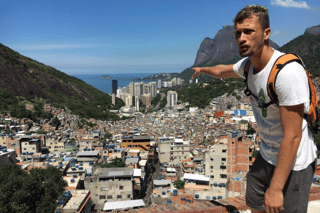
(315, 30)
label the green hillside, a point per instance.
(30, 80)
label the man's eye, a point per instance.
(248, 32)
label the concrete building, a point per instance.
(128, 100)
(136, 142)
(120, 91)
(131, 89)
(164, 144)
(138, 89)
(7, 156)
(88, 156)
(110, 184)
(146, 89)
(30, 145)
(172, 98)
(159, 84)
(179, 150)
(137, 104)
(75, 201)
(146, 99)
(153, 89)
(55, 144)
(217, 163)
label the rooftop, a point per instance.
(114, 172)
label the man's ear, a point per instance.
(267, 33)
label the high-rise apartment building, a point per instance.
(159, 84)
(138, 89)
(146, 99)
(172, 98)
(153, 89)
(128, 100)
(137, 104)
(131, 89)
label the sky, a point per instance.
(123, 36)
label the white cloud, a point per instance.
(290, 3)
(276, 32)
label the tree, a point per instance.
(117, 162)
(56, 122)
(107, 135)
(179, 184)
(250, 130)
(37, 192)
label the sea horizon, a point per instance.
(105, 84)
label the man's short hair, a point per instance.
(257, 10)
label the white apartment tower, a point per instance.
(137, 104)
(128, 100)
(172, 98)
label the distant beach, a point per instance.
(105, 84)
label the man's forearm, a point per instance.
(286, 157)
(219, 71)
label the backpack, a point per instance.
(313, 115)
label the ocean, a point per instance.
(105, 85)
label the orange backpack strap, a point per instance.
(276, 68)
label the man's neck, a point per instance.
(261, 59)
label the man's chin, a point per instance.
(245, 53)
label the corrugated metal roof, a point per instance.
(195, 177)
(123, 204)
(161, 182)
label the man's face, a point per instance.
(249, 36)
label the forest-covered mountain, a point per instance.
(24, 77)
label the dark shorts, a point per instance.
(296, 190)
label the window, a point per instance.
(223, 176)
(120, 187)
(224, 150)
(102, 197)
(24, 149)
(212, 176)
(129, 196)
(211, 167)
(223, 167)
(223, 159)
(109, 196)
(211, 159)
(119, 196)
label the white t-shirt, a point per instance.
(292, 89)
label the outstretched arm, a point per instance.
(291, 122)
(219, 71)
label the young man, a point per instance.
(281, 176)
